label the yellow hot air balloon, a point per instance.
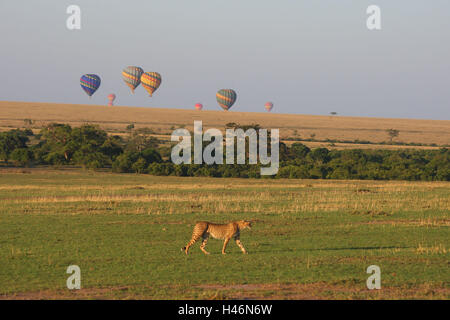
(151, 81)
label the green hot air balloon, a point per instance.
(226, 98)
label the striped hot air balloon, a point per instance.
(226, 98)
(268, 106)
(111, 98)
(132, 77)
(198, 106)
(90, 83)
(151, 81)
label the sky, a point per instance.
(306, 56)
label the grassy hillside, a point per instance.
(292, 127)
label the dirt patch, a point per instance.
(362, 190)
(91, 293)
(269, 291)
(371, 213)
(322, 290)
(147, 222)
(409, 223)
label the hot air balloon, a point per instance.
(226, 98)
(132, 76)
(151, 81)
(198, 106)
(268, 106)
(90, 83)
(111, 98)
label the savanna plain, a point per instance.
(310, 239)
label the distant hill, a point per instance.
(293, 127)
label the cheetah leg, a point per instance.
(186, 249)
(202, 247)
(238, 242)
(225, 245)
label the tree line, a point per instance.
(90, 147)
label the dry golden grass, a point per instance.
(346, 146)
(436, 249)
(162, 121)
(205, 195)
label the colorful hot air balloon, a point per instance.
(151, 81)
(226, 98)
(111, 98)
(90, 83)
(268, 106)
(132, 76)
(198, 106)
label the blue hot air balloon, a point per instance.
(226, 98)
(90, 83)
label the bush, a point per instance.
(22, 157)
(11, 140)
(299, 150)
(160, 169)
(140, 166)
(150, 155)
(94, 160)
(124, 162)
(180, 170)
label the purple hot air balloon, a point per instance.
(90, 83)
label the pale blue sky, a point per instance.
(307, 56)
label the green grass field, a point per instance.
(311, 239)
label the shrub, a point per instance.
(22, 157)
(124, 162)
(140, 166)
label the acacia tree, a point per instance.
(57, 138)
(393, 133)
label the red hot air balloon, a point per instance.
(268, 106)
(111, 98)
(198, 106)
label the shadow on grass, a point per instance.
(334, 249)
